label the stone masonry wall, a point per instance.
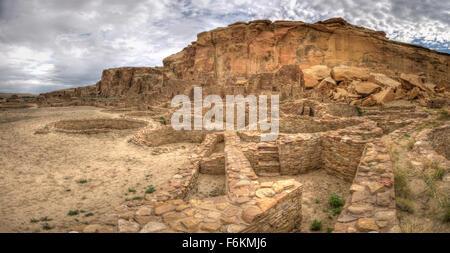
(299, 153)
(213, 165)
(341, 155)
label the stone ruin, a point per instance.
(313, 135)
(338, 84)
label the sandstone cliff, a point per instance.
(339, 60)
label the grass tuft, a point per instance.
(73, 212)
(46, 226)
(443, 114)
(88, 215)
(405, 205)
(410, 144)
(150, 189)
(316, 225)
(335, 200)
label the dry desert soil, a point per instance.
(45, 176)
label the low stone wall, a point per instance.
(341, 155)
(166, 135)
(283, 214)
(371, 205)
(304, 124)
(299, 153)
(213, 165)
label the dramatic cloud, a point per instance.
(47, 45)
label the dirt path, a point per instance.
(43, 175)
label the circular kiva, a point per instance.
(88, 126)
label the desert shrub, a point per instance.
(150, 189)
(439, 174)
(447, 214)
(88, 215)
(360, 112)
(401, 184)
(405, 205)
(410, 144)
(336, 211)
(163, 120)
(335, 201)
(73, 212)
(316, 225)
(46, 226)
(443, 114)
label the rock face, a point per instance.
(283, 57)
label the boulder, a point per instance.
(414, 93)
(327, 84)
(383, 80)
(365, 88)
(315, 74)
(345, 73)
(384, 96)
(409, 81)
(340, 94)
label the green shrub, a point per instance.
(316, 225)
(439, 174)
(46, 226)
(335, 200)
(73, 212)
(150, 189)
(336, 211)
(88, 215)
(360, 112)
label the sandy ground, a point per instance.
(422, 211)
(317, 187)
(40, 173)
(209, 186)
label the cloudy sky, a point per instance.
(48, 45)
